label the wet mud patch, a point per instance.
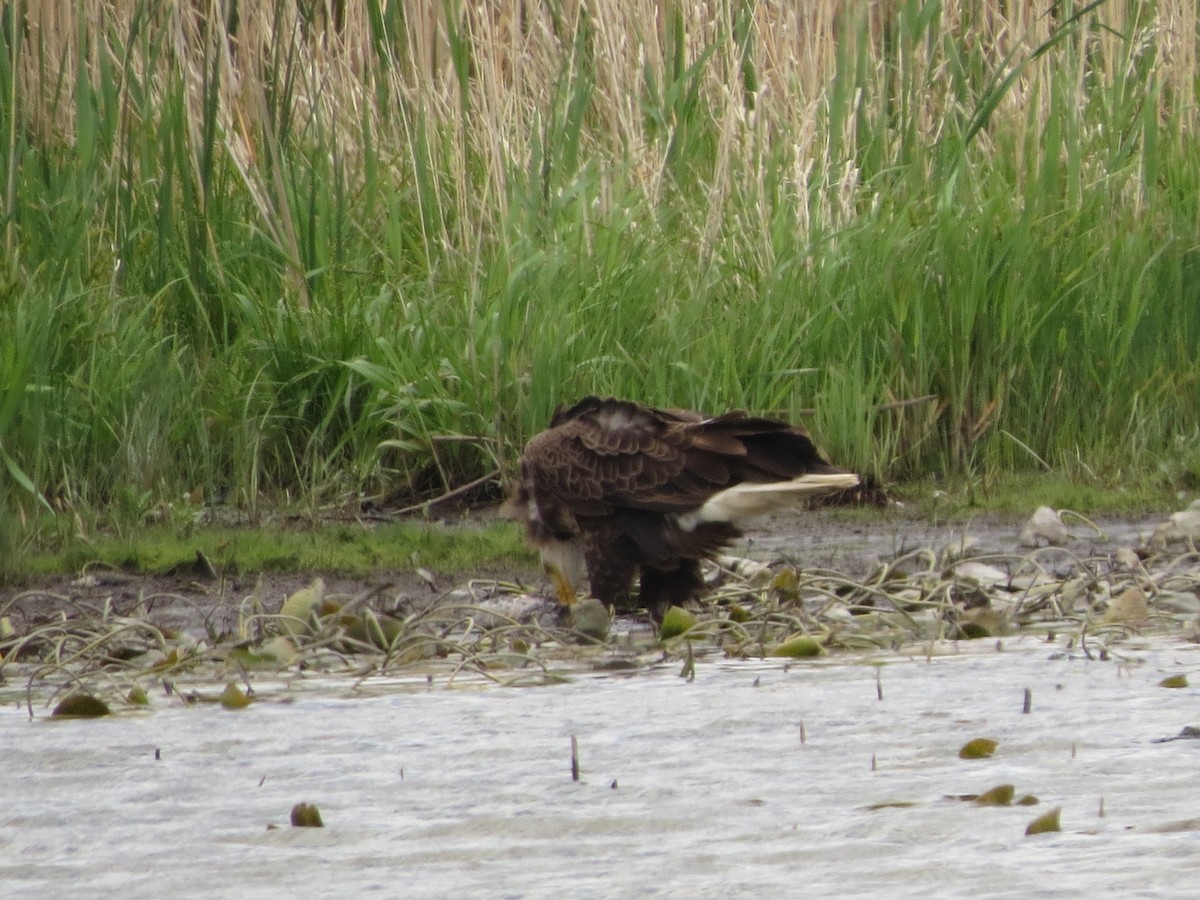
(802, 586)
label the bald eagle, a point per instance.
(613, 490)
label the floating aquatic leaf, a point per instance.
(280, 648)
(233, 697)
(1174, 681)
(272, 654)
(1000, 795)
(137, 696)
(675, 622)
(375, 629)
(1129, 608)
(1028, 800)
(979, 748)
(981, 622)
(170, 661)
(306, 815)
(786, 582)
(297, 611)
(738, 613)
(1047, 821)
(80, 706)
(799, 647)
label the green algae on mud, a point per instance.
(478, 541)
(349, 549)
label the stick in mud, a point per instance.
(574, 758)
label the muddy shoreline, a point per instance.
(202, 601)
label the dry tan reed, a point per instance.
(519, 49)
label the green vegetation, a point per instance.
(295, 544)
(343, 549)
(1014, 496)
(271, 256)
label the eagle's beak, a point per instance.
(562, 585)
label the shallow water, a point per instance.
(696, 789)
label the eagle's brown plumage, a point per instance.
(617, 488)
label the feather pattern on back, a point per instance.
(659, 489)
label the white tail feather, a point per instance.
(747, 500)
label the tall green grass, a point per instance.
(316, 251)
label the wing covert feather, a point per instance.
(601, 455)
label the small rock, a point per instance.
(1180, 526)
(591, 618)
(1044, 525)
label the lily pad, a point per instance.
(80, 706)
(1129, 608)
(1047, 821)
(800, 646)
(296, 614)
(978, 748)
(173, 658)
(738, 613)
(675, 622)
(272, 654)
(981, 622)
(1174, 681)
(306, 815)
(786, 583)
(137, 696)
(233, 697)
(1000, 795)
(374, 629)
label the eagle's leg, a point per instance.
(565, 563)
(563, 589)
(664, 588)
(611, 565)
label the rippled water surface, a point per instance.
(751, 780)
